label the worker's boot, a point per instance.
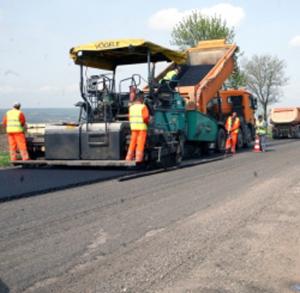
(13, 155)
(227, 151)
(24, 155)
(139, 156)
(129, 156)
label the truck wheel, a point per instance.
(240, 141)
(298, 133)
(247, 137)
(221, 141)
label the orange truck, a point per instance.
(243, 103)
(200, 82)
(285, 122)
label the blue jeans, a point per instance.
(262, 139)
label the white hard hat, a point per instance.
(16, 104)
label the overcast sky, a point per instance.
(36, 36)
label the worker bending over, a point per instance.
(139, 119)
(261, 132)
(232, 126)
(15, 123)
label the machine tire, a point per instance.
(192, 150)
(180, 151)
(247, 140)
(204, 148)
(221, 141)
(33, 155)
(297, 132)
(125, 140)
(240, 141)
(275, 135)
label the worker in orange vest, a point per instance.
(138, 118)
(15, 123)
(232, 126)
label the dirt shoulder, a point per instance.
(3, 143)
(3, 140)
(4, 160)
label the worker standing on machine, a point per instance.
(171, 77)
(261, 132)
(15, 123)
(139, 118)
(232, 126)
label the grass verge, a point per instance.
(4, 159)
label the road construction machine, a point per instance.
(285, 122)
(201, 81)
(186, 120)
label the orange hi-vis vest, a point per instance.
(136, 117)
(235, 125)
(13, 124)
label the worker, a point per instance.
(232, 126)
(171, 77)
(261, 132)
(15, 123)
(138, 118)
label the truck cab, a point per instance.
(244, 104)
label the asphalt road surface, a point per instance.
(227, 226)
(19, 182)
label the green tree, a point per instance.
(265, 77)
(197, 27)
(238, 78)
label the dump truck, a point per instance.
(244, 104)
(208, 66)
(285, 122)
(189, 119)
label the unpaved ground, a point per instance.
(230, 226)
(3, 143)
(3, 140)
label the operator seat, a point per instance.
(165, 94)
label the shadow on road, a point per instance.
(19, 182)
(3, 287)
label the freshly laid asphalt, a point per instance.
(18, 182)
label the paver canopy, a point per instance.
(108, 54)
